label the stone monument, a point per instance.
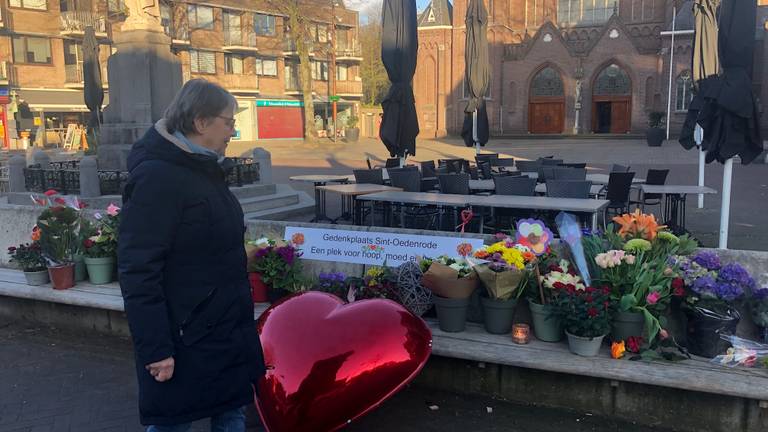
(144, 76)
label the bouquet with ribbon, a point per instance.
(450, 277)
(504, 273)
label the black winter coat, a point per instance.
(182, 269)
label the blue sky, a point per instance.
(374, 6)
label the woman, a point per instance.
(182, 268)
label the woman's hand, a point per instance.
(162, 370)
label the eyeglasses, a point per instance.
(229, 120)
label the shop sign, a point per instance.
(278, 103)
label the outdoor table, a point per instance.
(320, 180)
(350, 210)
(602, 179)
(674, 201)
(541, 188)
(575, 205)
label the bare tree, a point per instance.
(372, 72)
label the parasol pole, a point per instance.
(725, 208)
(671, 68)
(698, 136)
(474, 132)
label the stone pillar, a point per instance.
(264, 159)
(41, 158)
(144, 76)
(89, 178)
(16, 174)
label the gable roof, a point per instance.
(438, 13)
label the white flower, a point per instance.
(456, 266)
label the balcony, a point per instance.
(73, 24)
(349, 53)
(179, 35)
(4, 72)
(73, 76)
(351, 89)
(246, 85)
(289, 48)
(236, 41)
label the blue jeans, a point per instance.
(230, 421)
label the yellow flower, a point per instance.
(618, 349)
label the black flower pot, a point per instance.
(655, 137)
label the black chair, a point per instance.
(617, 193)
(568, 189)
(428, 169)
(428, 176)
(484, 170)
(570, 174)
(392, 163)
(574, 165)
(407, 179)
(454, 184)
(503, 163)
(654, 177)
(370, 176)
(550, 162)
(510, 185)
(619, 168)
(454, 165)
(546, 172)
(528, 166)
(489, 157)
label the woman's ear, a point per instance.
(201, 124)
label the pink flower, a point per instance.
(663, 334)
(653, 298)
(113, 210)
(50, 192)
(629, 259)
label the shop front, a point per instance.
(279, 119)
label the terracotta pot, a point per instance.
(62, 277)
(258, 288)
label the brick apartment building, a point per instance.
(617, 52)
(230, 42)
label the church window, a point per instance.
(585, 12)
(431, 16)
(613, 81)
(547, 82)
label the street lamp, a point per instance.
(333, 66)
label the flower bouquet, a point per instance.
(557, 277)
(712, 291)
(59, 226)
(452, 282)
(275, 267)
(586, 316)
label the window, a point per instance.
(291, 76)
(200, 17)
(342, 72)
(35, 50)
(116, 6)
(431, 16)
(547, 83)
(202, 61)
(684, 91)
(585, 12)
(319, 32)
(266, 67)
(232, 30)
(320, 70)
(642, 10)
(613, 81)
(342, 39)
(264, 25)
(233, 64)
(29, 4)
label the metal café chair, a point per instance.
(508, 186)
(409, 180)
(656, 177)
(619, 168)
(617, 193)
(528, 166)
(551, 162)
(370, 176)
(570, 174)
(454, 184)
(568, 189)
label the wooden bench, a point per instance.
(475, 344)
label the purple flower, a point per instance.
(736, 275)
(261, 253)
(708, 260)
(760, 294)
(728, 291)
(286, 253)
(705, 286)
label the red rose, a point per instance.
(81, 205)
(50, 192)
(88, 243)
(589, 299)
(606, 290)
(634, 343)
(590, 289)
(59, 201)
(592, 312)
(678, 287)
(558, 285)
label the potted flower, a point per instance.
(758, 306)
(452, 282)
(276, 266)
(655, 133)
(376, 283)
(504, 277)
(29, 257)
(59, 226)
(586, 317)
(333, 283)
(713, 290)
(100, 246)
(352, 133)
(557, 277)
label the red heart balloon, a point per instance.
(329, 363)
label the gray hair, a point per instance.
(198, 98)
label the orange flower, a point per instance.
(638, 225)
(35, 233)
(618, 349)
(297, 239)
(481, 254)
(529, 256)
(464, 249)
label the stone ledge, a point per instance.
(476, 345)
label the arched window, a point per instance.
(684, 91)
(547, 82)
(613, 81)
(585, 12)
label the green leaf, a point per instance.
(627, 302)
(651, 325)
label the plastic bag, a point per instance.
(743, 353)
(705, 328)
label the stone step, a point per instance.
(250, 191)
(281, 198)
(304, 206)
